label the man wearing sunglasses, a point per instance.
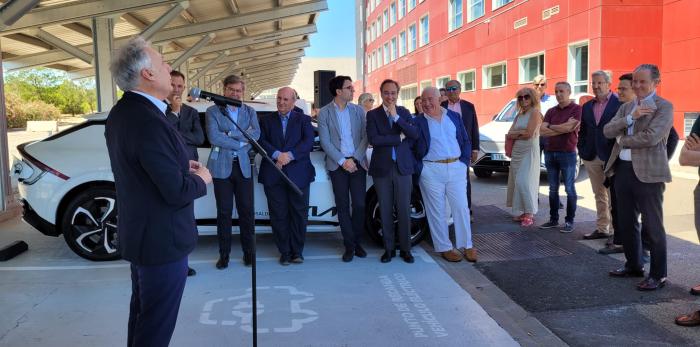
(466, 110)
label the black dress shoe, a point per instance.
(222, 263)
(297, 259)
(597, 234)
(625, 272)
(190, 272)
(360, 252)
(386, 257)
(347, 256)
(284, 260)
(651, 283)
(407, 256)
(247, 258)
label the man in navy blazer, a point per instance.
(594, 148)
(288, 138)
(443, 151)
(467, 112)
(156, 185)
(391, 132)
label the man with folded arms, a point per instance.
(443, 151)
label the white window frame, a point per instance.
(440, 78)
(495, 5)
(485, 78)
(422, 42)
(379, 26)
(392, 13)
(380, 57)
(402, 8)
(402, 43)
(452, 24)
(412, 43)
(387, 53)
(403, 90)
(521, 68)
(461, 81)
(571, 66)
(394, 48)
(470, 15)
(411, 2)
(385, 20)
(421, 87)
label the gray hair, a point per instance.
(563, 83)
(607, 76)
(234, 79)
(128, 61)
(364, 97)
(431, 90)
(653, 70)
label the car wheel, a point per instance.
(419, 221)
(89, 224)
(482, 173)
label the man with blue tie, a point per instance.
(230, 166)
(288, 138)
(390, 130)
(156, 186)
(341, 131)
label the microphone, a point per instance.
(216, 98)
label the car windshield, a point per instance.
(508, 113)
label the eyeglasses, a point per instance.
(523, 97)
(540, 84)
(452, 89)
(349, 88)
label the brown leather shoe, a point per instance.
(452, 255)
(469, 254)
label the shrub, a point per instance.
(20, 111)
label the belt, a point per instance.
(444, 161)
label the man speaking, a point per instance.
(156, 186)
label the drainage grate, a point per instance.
(514, 246)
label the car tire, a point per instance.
(419, 220)
(89, 224)
(482, 173)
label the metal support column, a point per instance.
(102, 35)
(5, 184)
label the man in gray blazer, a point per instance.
(229, 164)
(184, 118)
(341, 130)
(640, 164)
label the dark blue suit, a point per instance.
(591, 140)
(288, 211)
(157, 230)
(422, 145)
(471, 125)
(391, 168)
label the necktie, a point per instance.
(284, 125)
(393, 149)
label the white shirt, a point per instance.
(443, 138)
(158, 103)
(626, 153)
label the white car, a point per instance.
(66, 187)
(492, 148)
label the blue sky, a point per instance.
(335, 36)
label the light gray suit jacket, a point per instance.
(648, 141)
(226, 140)
(329, 134)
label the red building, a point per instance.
(495, 47)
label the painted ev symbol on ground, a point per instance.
(237, 310)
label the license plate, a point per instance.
(499, 156)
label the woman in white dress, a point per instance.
(524, 173)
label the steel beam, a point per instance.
(258, 53)
(194, 49)
(242, 68)
(211, 64)
(58, 43)
(13, 10)
(164, 19)
(102, 33)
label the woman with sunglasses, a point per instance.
(524, 173)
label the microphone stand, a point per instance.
(257, 148)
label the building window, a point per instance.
(379, 57)
(495, 75)
(368, 9)
(500, 3)
(393, 49)
(387, 53)
(402, 44)
(379, 26)
(424, 31)
(531, 67)
(476, 9)
(402, 8)
(412, 38)
(468, 80)
(407, 95)
(455, 13)
(578, 67)
(385, 21)
(424, 84)
(368, 35)
(369, 62)
(441, 81)
(411, 5)
(392, 14)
